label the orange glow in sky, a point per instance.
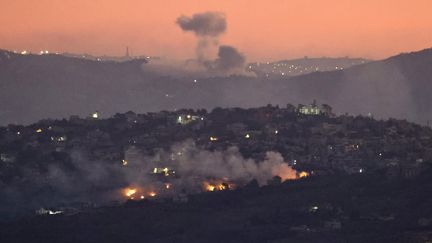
(263, 30)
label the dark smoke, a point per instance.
(208, 27)
(210, 24)
(229, 58)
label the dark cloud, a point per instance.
(204, 24)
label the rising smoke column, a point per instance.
(207, 27)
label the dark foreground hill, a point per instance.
(34, 87)
(360, 208)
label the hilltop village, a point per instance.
(309, 137)
(368, 180)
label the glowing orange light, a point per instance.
(217, 185)
(303, 174)
(129, 192)
(210, 188)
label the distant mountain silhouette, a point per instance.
(303, 66)
(34, 87)
(400, 86)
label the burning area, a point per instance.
(183, 169)
(186, 168)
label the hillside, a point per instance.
(395, 87)
(301, 66)
(35, 87)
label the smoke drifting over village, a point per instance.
(215, 121)
(187, 167)
(195, 165)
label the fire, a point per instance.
(152, 194)
(129, 192)
(167, 185)
(217, 185)
(210, 188)
(303, 174)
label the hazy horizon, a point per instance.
(261, 30)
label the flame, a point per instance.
(210, 188)
(129, 192)
(303, 174)
(217, 185)
(167, 185)
(138, 193)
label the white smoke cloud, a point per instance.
(85, 180)
(194, 165)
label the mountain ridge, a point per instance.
(35, 87)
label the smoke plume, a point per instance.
(208, 27)
(229, 58)
(194, 165)
(208, 24)
(85, 180)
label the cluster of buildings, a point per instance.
(297, 67)
(309, 137)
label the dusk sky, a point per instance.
(263, 30)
